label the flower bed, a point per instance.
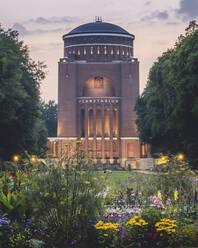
(67, 205)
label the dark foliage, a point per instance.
(21, 126)
(168, 108)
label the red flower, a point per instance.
(150, 235)
(5, 190)
(27, 172)
(10, 172)
(155, 235)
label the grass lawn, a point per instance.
(119, 179)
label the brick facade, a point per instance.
(98, 83)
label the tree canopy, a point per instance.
(168, 108)
(21, 126)
(49, 115)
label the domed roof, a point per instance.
(99, 27)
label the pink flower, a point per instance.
(168, 202)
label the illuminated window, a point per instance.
(123, 52)
(98, 50)
(118, 52)
(85, 52)
(78, 52)
(98, 82)
(73, 51)
(111, 51)
(91, 51)
(105, 50)
(127, 53)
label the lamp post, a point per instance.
(16, 158)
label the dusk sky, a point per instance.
(156, 25)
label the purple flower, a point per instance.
(73, 242)
(168, 202)
(4, 221)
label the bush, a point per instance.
(67, 199)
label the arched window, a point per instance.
(98, 123)
(105, 50)
(91, 51)
(107, 123)
(90, 122)
(118, 51)
(111, 51)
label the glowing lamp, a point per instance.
(180, 156)
(16, 158)
(33, 159)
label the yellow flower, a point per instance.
(87, 182)
(176, 195)
(95, 179)
(159, 195)
(106, 226)
(62, 202)
(166, 225)
(46, 194)
(106, 235)
(137, 221)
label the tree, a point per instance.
(49, 115)
(21, 126)
(168, 108)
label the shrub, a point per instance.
(67, 199)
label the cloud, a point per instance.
(50, 20)
(188, 8)
(160, 15)
(20, 28)
(172, 23)
(24, 31)
(148, 3)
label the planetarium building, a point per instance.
(98, 83)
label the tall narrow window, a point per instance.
(118, 52)
(107, 123)
(111, 51)
(123, 52)
(105, 50)
(78, 51)
(90, 123)
(82, 122)
(115, 122)
(85, 52)
(98, 51)
(98, 123)
(91, 51)
(73, 51)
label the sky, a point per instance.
(41, 24)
